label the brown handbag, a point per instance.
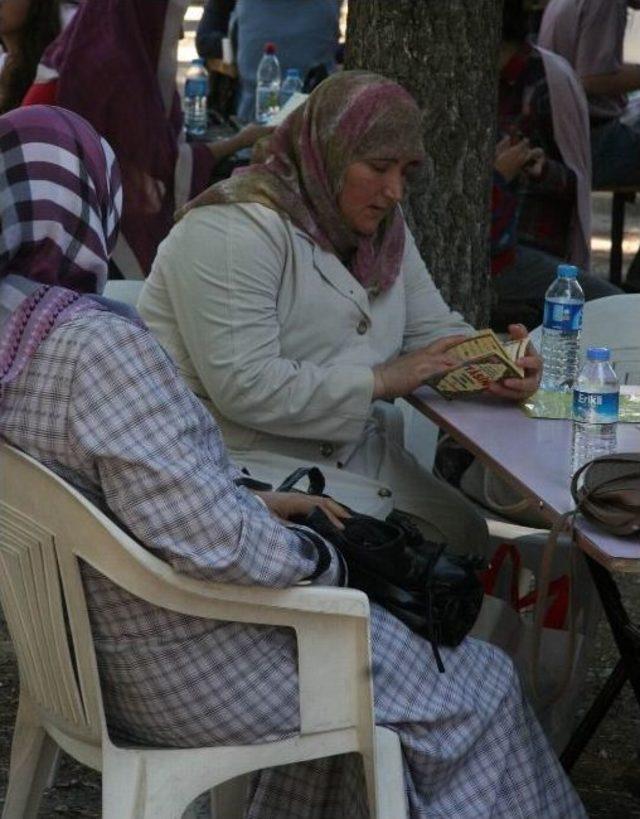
(607, 492)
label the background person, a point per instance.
(541, 200)
(89, 393)
(589, 34)
(296, 305)
(115, 65)
(305, 33)
(26, 29)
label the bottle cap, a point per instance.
(598, 354)
(567, 271)
(198, 61)
(293, 72)
(270, 48)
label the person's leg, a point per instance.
(528, 278)
(471, 744)
(595, 288)
(615, 154)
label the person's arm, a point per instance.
(546, 173)
(162, 467)
(224, 270)
(598, 55)
(622, 81)
(245, 138)
(554, 179)
(213, 27)
(428, 317)
(504, 205)
(41, 93)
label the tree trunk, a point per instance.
(445, 53)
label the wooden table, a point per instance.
(533, 456)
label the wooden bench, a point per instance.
(621, 195)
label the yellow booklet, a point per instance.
(483, 359)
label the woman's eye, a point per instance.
(379, 167)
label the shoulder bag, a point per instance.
(436, 594)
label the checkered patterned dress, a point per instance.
(100, 403)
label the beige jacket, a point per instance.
(276, 335)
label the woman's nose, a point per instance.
(394, 185)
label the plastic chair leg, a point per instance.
(392, 796)
(123, 786)
(33, 758)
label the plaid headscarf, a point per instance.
(351, 116)
(60, 202)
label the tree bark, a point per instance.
(445, 52)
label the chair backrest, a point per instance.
(46, 528)
(43, 601)
(126, 290)
(614, 322)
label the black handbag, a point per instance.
(436, 594)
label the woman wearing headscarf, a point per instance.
(88, 392)
(294, 301)
(115, 65)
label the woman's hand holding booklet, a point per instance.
(481, 359)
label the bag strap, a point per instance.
(316, 480)
(507, 508)
(565, 522)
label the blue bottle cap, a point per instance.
(198, 61)
(293, 72)
(567, 271)
(598, 354)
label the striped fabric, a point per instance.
(60, 203)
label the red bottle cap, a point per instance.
(269, 48)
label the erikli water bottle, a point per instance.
(196, 89)
(267, 85)
(563, 307)
(595, 409)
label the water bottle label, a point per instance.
(562, 316)
(595, 407)
(196, 87)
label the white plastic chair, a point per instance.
(45, 528)
(126, 290)
(612, 322)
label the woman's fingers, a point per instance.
(332, 510)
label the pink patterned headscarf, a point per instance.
(351, 116)
(60, 203)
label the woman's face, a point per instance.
(371, 188)
(13, 15)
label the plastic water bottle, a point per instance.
(563, 307)
(292, 84)
(267, 85)
(196, 89)
(596, 398)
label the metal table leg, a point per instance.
(594, 716)
(627, 638)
